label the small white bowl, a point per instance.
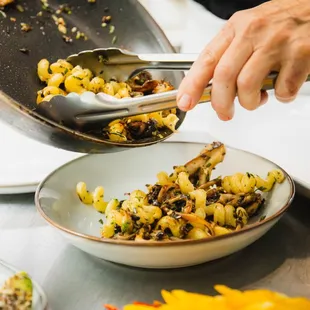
(120, 173)
(39, 299)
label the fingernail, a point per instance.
(184, 103)
(224, 117)
(287, 99)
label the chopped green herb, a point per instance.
(125, 227)
(111, 29)
(101, 221)
(101, 59)
(2, 14)
(19, 8)
(114, 40)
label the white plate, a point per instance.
(25, 162)
(123, 172)
(279, 132)
(39, 297)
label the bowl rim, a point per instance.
(184, 242)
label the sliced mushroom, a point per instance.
(167, 192)
(203, 164)
(139, 129)
(217, 182)
(143, 83)
(162, 87)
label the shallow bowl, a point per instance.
(120, 173)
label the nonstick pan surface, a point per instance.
(20, 52)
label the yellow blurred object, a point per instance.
(229, 299)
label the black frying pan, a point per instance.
(20, 52)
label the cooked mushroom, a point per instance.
(167, 192)
(139, 129)
(143, 83)
(217, 182)
(200, 168)
(152, 196)
(162, 87)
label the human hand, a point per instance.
(274, 36)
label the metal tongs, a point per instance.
(100, 109)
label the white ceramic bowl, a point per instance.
(123, 172)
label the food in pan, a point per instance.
(187, 204)
(62, 78)
(16, 293)
(229, 299)
(5, 2)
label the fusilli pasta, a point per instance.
(179, 206)
(61, 78)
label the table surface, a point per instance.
(74, 280)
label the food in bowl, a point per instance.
(62, 78)
(16, 293)
(229, 299)
(187, 204)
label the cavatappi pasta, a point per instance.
(187, 204)
(228, 299)
(61, 78)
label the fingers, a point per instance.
(249, 81)
(290, 79)
(202, 70)
(225, 77)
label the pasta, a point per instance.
(61, 78)
(187, 204)
(245, 183)
(229, 299)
